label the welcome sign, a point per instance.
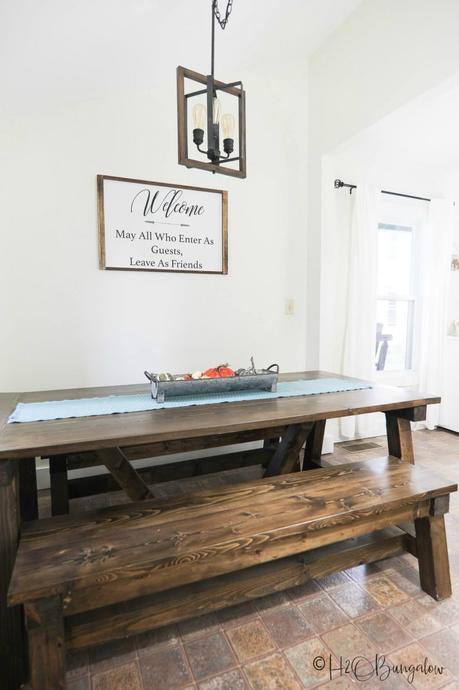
(152, 226)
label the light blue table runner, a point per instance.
(115, 404)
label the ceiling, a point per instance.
(421, 134)
(58, 51)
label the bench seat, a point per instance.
(164, 549)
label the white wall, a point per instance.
(65, 323)
(385, 54)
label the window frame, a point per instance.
(402, 212)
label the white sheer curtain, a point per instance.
(358, 356)
(436, 248)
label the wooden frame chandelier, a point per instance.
(210, 132)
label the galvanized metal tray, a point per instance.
(262, 379)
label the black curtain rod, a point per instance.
(340, 183)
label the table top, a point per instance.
(134, 428)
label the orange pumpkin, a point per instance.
(210, 374)
(222, 371)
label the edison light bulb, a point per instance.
(228, 126)
(199, 115)
(217, 109)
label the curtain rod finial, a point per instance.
(338, 183)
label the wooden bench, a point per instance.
(126, 569)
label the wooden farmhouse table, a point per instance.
(285, 425)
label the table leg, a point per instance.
(399, 438)
(271, 443)
(314, 443)
(28, 495)
(59, 485)
(126, 476)
(12, 661)
(286, 455)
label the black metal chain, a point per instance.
(223, 22)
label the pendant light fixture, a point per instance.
(211, 120)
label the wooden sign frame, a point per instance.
(104, 263)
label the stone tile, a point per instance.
(165, 669)
(271, 601)
(195, 627)
(151, 640)
(231, 680)
(385, 591)
(82, 683)
(287, 625)
(238, 614)
(251, 640)
(333, 580)
(209, 655)
(406, 579)
(412, 658)
(111, 654)
(272, 673)
(445, 612)
(301, 592)
(384, 632)
(341, 683)
(349, 641)
(414, 618)
(322, 613)
(444, 646)
(121, 678)
(353, 600)
(302, 658)
(363, 572)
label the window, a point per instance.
(396, 302)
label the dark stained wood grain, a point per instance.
(399, 438)
(433, 556)
(46, 638)
(160, 433)
(102, 483)
(286, 455)
(28, 494)
(108, 431)
(152, 450)
(11, 642)
(125, 619)
(124, 474)
(169, 543)
(59, 485)
(314, 443)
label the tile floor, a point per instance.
(271, 643)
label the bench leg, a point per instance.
(45, 629)
(432, 552)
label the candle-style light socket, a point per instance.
(198, 136)
(228, 145)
